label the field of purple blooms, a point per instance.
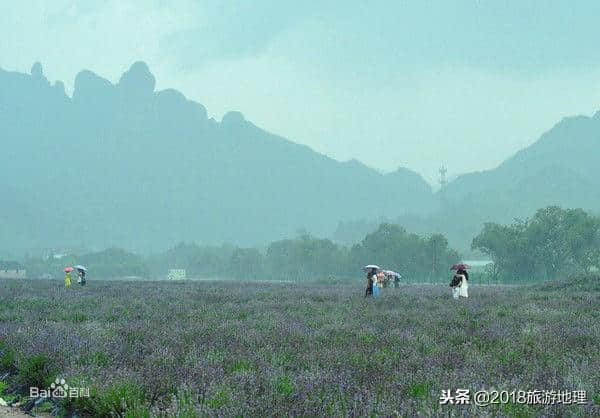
(194, 348)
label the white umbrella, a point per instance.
(81, 268)
(371, 266)
(392, 273)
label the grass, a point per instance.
(37, 370)
(3, 387)
(260, 349)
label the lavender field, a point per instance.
(274, 349)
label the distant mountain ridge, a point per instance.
(572, 144)
(558, 169)
(122, 164)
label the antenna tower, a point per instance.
(443, 180)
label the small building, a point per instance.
(12, 270)
(176, 274)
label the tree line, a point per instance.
(553, 242)
(306, 257)
(300, 258)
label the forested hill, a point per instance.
(123, 164)
(560, 168)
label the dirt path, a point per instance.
(7, 411)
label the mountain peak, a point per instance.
(233, 118)
(138, 79)
(354, 162)
(37, 73)
(89, 84)
(36, 70)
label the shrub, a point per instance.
(45, 407)
(79, 317)
(518, 410)
(419, 389)
(97, 358)
(284, 385)
(220, 399)
(240, 366)
(123, 399)
(186, 407)
(3, 387)
(8, 359)
(10, 398)
(37, 371)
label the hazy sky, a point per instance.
(391, 83)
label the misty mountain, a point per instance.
(123, 164)
(558, 169)
(567, 152)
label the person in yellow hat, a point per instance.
(67, 279)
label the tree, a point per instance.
(305, 257)
(546, 235)
(505, 245)
(555, 241)
(583, 237)
(246, 263)
(391, 246)
(439, 254)
(113, 262)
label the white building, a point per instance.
(176, 274)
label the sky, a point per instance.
(415, 84)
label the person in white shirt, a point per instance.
(464, 286)
(460, 286)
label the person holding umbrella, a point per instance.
(68, 271)
(395, 276)
(371, 270)
(81, 270)
(378, 284)
(460, 281)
